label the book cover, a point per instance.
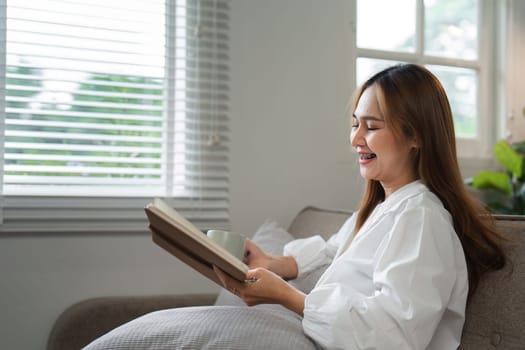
(181, 238)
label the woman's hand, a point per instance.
(264, 287)
(255, 256)
(284, 266)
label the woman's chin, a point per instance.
(367, 176)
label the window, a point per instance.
(106, 104)
(447, 37)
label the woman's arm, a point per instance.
(269, 272)
(284, 266)
(264, 287)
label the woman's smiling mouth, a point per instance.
(366, 156)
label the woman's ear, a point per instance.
(414, 143)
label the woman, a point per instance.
(403, 266)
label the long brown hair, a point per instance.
(415, 106)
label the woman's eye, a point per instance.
(372, 126)
(368, 125)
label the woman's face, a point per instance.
(382, 157)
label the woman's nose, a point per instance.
(356, 137)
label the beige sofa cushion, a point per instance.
(496, 313)
(315, 221)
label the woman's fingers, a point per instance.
(251, 252)
(263, 286)
(260, 286)
(228, 282)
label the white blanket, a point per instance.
(262, 327)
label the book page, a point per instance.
(179, 220)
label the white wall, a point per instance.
(40, 277)
(290, 132)
(289, 148)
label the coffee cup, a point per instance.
(231, 241)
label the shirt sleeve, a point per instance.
(413, 278)
(313, 252)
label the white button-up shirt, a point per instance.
(400, 283)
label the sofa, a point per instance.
(495, 316)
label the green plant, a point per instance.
(504, 191)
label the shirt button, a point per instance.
(495, 339)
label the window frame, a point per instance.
(488, 64)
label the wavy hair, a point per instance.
(416, 106)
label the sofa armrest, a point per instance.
(87, 320)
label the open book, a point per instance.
(174, 233)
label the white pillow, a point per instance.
(272, 238)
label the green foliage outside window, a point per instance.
(504, 191)
(97, 98)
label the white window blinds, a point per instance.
(109, 103)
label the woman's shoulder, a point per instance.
(413, 194)
(416, 197)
